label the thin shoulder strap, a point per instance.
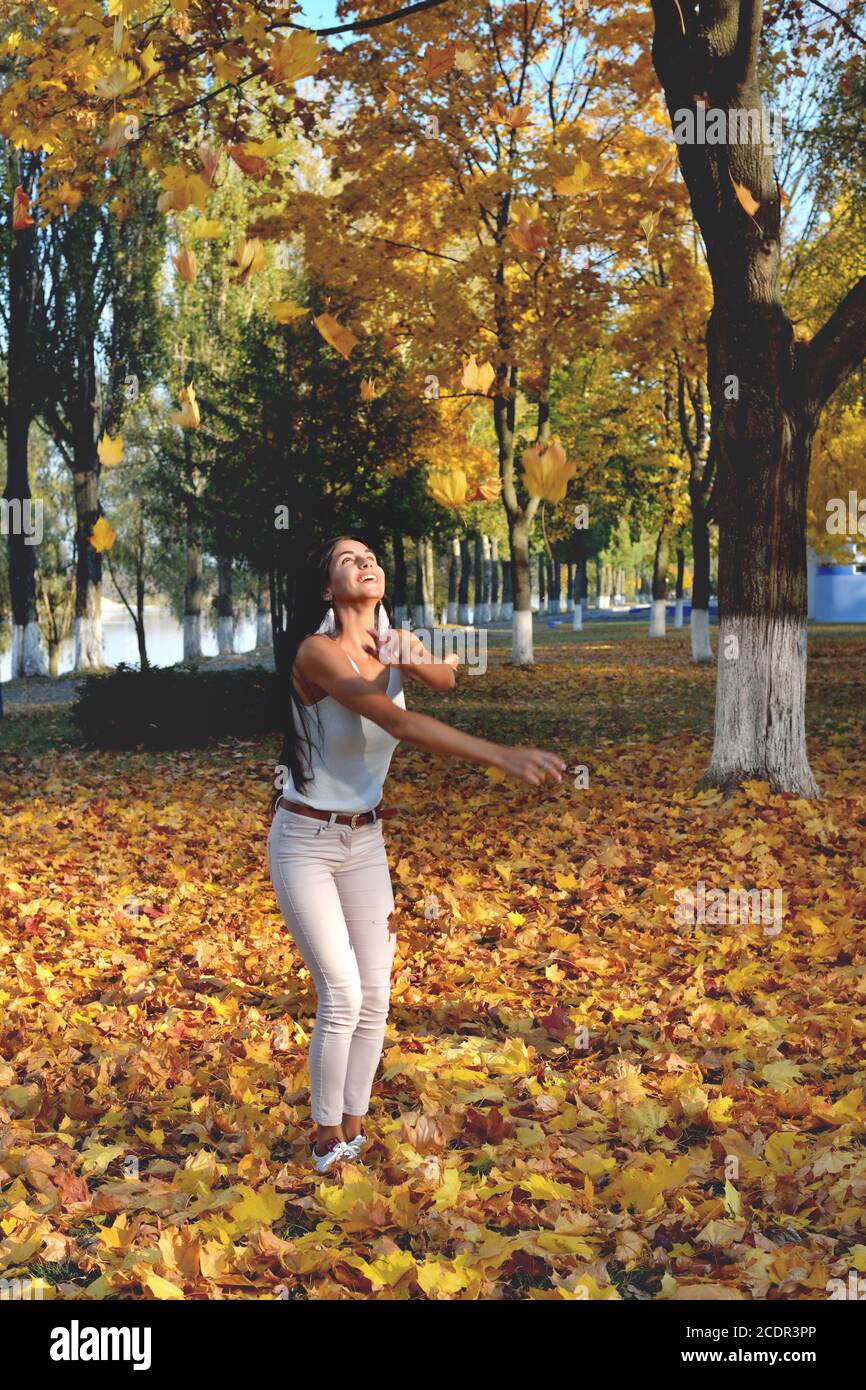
(357, 669)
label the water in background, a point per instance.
(164, 636)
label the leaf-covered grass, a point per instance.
(580, 1095)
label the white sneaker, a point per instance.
(357, 1144)
(336, 1151)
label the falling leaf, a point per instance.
(437, 61)
(666, 168)
(546, 470)
(467, 60)
(336, 335)
(248, 257)
(649, 225)
(204, 230)
(475, 378)
(102, 537)
(370, 388)
(299, 55)
(745, 198)
(578, 181)
(109, 451)
(186, 264)
(449, 488)
(286, 310)
(21, 210)
(189, 415)
(209, 159)
(514, 116)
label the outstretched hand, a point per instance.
(533, 765)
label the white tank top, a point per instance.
(349, 755)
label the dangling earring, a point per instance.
(328, 625)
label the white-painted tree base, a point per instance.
(702, 649)
(29, 656)
(452, 611)
(760, 732)
(658, 614)
(225, 636)
(191, 636)
(401, 616)
(577, 619)
(678, 613)
(506, 612)
(604, 600)
(464, 614)
(264, 631)
(485, 612)
(521, 637)
(88, 643)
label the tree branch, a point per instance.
(837, 348)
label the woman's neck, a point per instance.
(354, 626)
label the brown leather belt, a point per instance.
(353, 819)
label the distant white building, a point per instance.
(837, 593)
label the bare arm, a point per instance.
(412, 657)
(320, 662)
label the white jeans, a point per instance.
(334, 891)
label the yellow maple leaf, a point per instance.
(257, 1207)
(189, 415)
(299, 55)
(109, 451)
(102, 537)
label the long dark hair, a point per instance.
(309, 611)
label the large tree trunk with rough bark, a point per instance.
(766, 392)
(29, 657)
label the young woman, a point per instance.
(325, 848)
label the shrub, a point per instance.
(176, 708)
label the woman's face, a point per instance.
(353, 573)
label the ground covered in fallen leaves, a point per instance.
(580, 1096)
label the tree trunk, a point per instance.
(681, 569)
(519, 517)
(485, 579)
(139, 605)
(88, 567)
(463, 588)
(401, 611)
(194, 585)
(28, 651)
(766, 394)
(423, 596)
(507, 592)
(658, 611)
(453, 579)
(225, 607)
(495, 581)
(263, 614)
(702, 650)
(429, 585)
(542, 582)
